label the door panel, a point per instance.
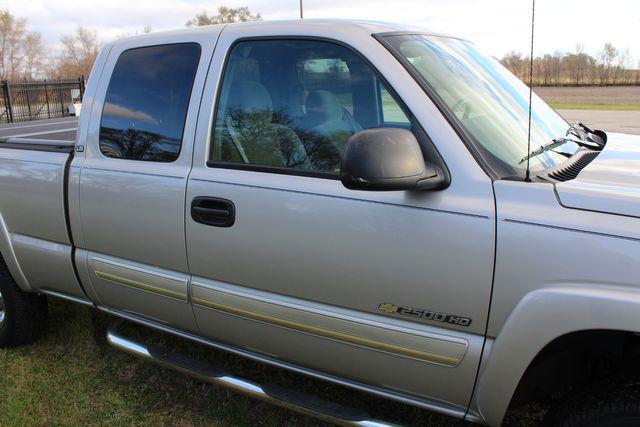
(135, 215)
(133, 226)
(335, 255)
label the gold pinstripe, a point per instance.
(140, 285)
(338, 336)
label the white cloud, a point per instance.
(496, 25)
(122, 112)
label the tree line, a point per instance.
(24, 54)
(610, 67)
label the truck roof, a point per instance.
(371, 27)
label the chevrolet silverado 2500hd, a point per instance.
(289, 190)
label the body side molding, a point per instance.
(141, 277)
(411, 343)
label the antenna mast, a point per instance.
(301, 14)
(527, 176)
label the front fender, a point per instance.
(9, 257)
(540, 317)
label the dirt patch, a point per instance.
(610, 95)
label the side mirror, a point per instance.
(387, 159)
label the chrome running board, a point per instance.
(290, 399)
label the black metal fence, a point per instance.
(38, 99)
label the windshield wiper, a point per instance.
(550, 146)
(588, 143)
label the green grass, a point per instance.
(575, 106)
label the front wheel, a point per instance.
(617, 406)
(22, 314)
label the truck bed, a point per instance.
(34, 162)
(41, 135)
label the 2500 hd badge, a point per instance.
(425, 314)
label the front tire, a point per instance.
(617, 406)
(22, 314)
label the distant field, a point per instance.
(624, 98)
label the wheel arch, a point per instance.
(8, 257)
(579, 360)
(542, 318)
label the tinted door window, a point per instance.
(293, 104)
(146, 103)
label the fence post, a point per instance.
(61, 95)
(46, 97)
(6, 93)
(28, 96)
(81, 79)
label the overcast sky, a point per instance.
(498, 26)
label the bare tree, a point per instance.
(516, 64)
(540, 74)
(548, 69)
(626, 63)
(78, 54)
(557, 68)
(34, 55)
(608, 57)
(578, 65)
(225, 15)
(12, 32)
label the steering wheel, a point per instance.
(464, 105)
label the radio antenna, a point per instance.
(301, 14)
(527, 175)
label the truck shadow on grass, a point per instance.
(72, 376)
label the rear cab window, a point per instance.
(146, 103)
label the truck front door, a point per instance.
(386, 289)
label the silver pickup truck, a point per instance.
(352, 201)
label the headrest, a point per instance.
(323, 106)
(251, 98)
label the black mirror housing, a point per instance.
(388, 159)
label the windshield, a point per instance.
(488, 102)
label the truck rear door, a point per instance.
(137, 156)
(386, 289)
